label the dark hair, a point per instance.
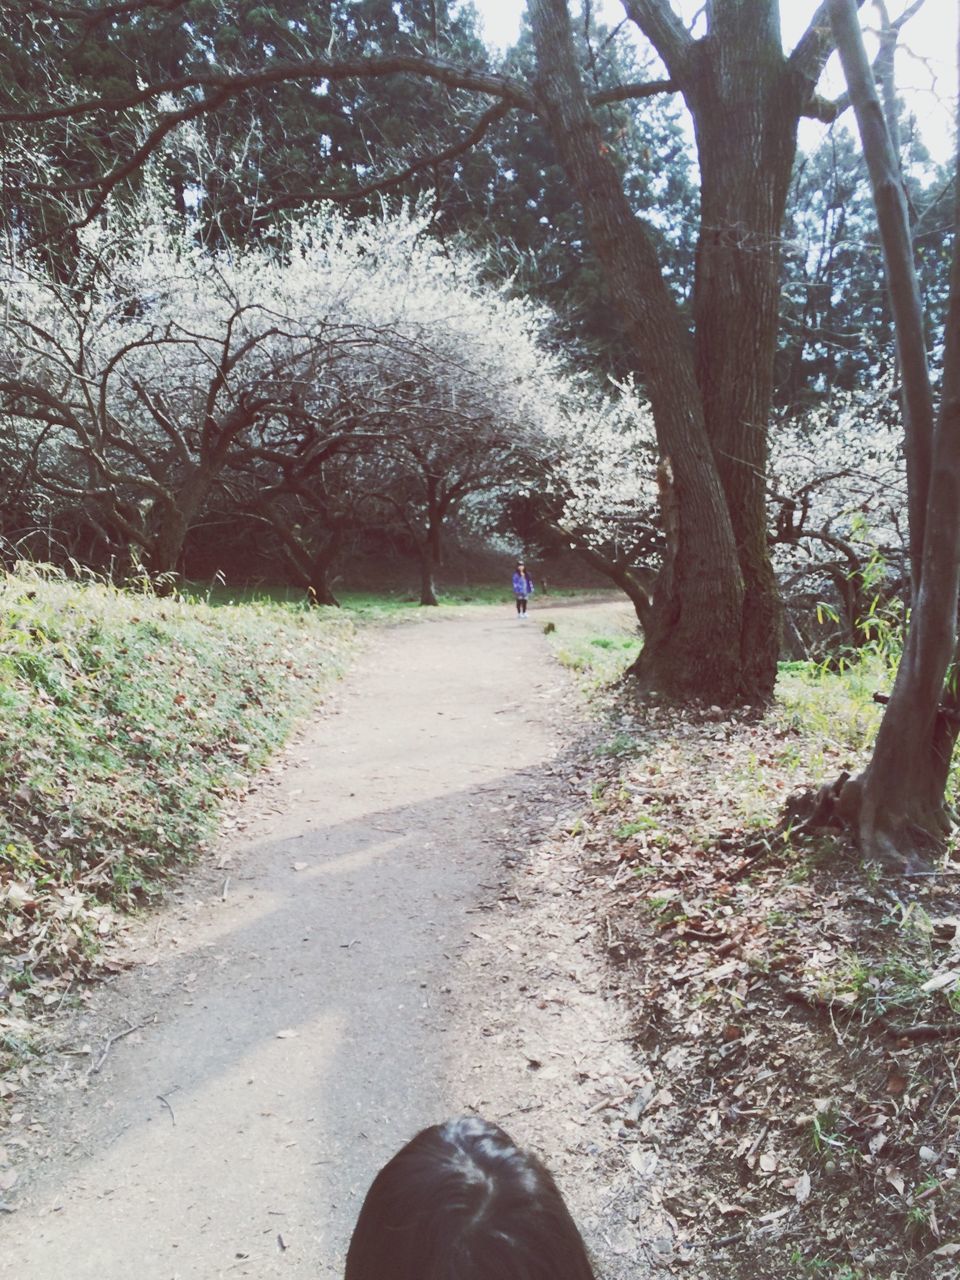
(462, 1202)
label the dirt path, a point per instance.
(362, 963)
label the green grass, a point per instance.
(825, 714)
(599, 644)
(125, 720)
(372, 605)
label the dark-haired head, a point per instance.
(462, 1202)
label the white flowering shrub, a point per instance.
(838, 516)
(135, 388)
(603, 460)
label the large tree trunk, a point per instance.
(172, 519)
(694, 648)
(897, 804)
(745, 105)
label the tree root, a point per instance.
(906, 848)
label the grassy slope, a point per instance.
(798, 1013)
(124, 722)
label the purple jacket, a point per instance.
(522, 584)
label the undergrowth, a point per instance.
(798, 1012)
(596, 643)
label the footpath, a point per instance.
(375, 945)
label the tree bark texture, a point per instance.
(694, 647)
(746, 104)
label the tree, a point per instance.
(360, 357)
(837, 494)
(596, 490)
(715, 624)
(511, 194)
(897, 805)
(836, 329)
(134, 381)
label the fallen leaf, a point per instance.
(941, 980)
(644, 1162)
(801, 1190)
(896, 1082)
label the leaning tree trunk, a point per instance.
(693, 649)
(620, 574)
(897, 805)
(313, 573)
(745, 110)
(310, 567)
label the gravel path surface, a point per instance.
(374, 946)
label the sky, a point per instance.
(926, 65)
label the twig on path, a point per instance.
(759, 1140)
(609, 1102)
(128, 1031)
(223, 891)
(162, 1098)
(725, 1240)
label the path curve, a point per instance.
(306, 998)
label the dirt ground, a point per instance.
(384, 938)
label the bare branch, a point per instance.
(815, 46)
(663, 28)
(226, 84)
(627, 92)
(339, 195)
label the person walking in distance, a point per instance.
(522, 589)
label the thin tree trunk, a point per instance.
(428, 590)
(902, 285)
(897, 804)
(311, 568)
